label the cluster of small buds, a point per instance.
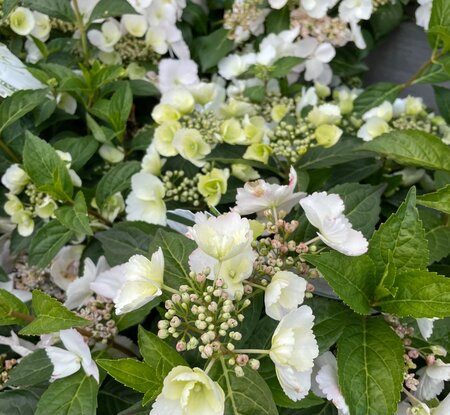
(378, 3)
(278, 251)
(62, 25)
(272, 101)
(202, 316)
(103, 327)
(28, 278)
(417, 122)
(241, 18)
(326, 29)
(5, 367)
(205, 122)
(402, 330)
(35, 198)
(132, 49)
(181, 188)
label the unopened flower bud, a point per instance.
(181, 346)
(254, 364)
(242, 359)
(239, 372)
(163, 334)
(163, 324)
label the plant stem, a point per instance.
(210, 365)
(99, 217)
(312, 241)
(421, 70)
(82, 29)
(252, 284)
(169, 289)
(253, 351)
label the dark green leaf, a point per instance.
(283, 66)
(111, 8)
(80, 148)
(439, 200)
(60, 9)
(75, 217)
(213, 48)
(18, 402)
(32, 370)
(375, 95)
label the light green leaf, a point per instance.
(47, 242)
(55, 8)
(438, 242)
(419, 294)
(132, 373)
(176, 249)
(75, 217)
(74, 395)
(283, 66)
(386, 287)
(362, 205)
(440, 17)
(19, 104)
(116, 180)
(247, 395)
(412, 148)
(439, 200)
(352, 278)
(331, 317)
(32, 370)
(370, 367)
(51, 316)
(126, 239)
(111, 8)
(8, 303)
(46, 169)
(404, 236)
(375, 95)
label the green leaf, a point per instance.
(196, 17)
(51, 316)
(331, 318)
(111, 8)
(435, 73)
(283, 66)
(114, 398)
(403, 235)
(116, 180)
(18, 402)
(386, 285)
(370, 367)
(75, 217)
(74, 395)
(375, 95)
(354, 171)
(8, 6)
(176, 249)
(80, 148)
(143, 88)
(362, 204)
(54, 8)
(247, 395)
(352, 278)
(442, 97)
(321, 157)
(8, 303)
(19, 104)
(131, 373)
(160, 357)
(255, 93)
(438, 242)
(135, 317)
(419, 294)
(440, 17)
(46, 169)
(126, 239)
(252, 316)
(213, 48)
(439, 200)
(278, 20)
(412, 148)
(120, 108)
(386, 18)
(47, 242)
(32, 370)
(347, 63)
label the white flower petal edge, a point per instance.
(143, 282)
(68, 362)
(325, 212)
(294, 348)
(189, 391)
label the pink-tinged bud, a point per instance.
(430, 359)
(219, 282)
(413, 354)
(176, 298)
(254, 364)
(181, 346)
(175, 322)
(242, 359)
(201, 277)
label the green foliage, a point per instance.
(47, 242)
(51, 316)
(111, 8)
(375, 95)
(75, 217)
(46, 169)
(80, 148)
(370, 366)
(402, 235)
(120, 108)
(247, 395)
(352, 278)
(439, 22)
(74, 395)
(59, 9)
(18, 402)
(439, 200)
(442, 96)
(283, 66)
(8, 304)
(412, 148)
(213, 48)
(34, 369)
(386, 18)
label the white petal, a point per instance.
(64, 362)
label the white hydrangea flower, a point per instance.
(109, 282)
(317, 8)
(258, 196)
(294, 348)
(373, 128)
(143, 282)
(174, 72)
(325, 114)
(15, 179)
(152, 162)
(431, 380)
(161, 12)
(145, 201)
(423, 13)
(22, 21)
(189, 391)
(426, 326)
(384, 111)
(189, 143)
(135, 24)
(179, 98)
(325, 382)
(107, 37)
(42, 26)
(68, 361)
(79, 290)
(18, 345)
(284, 294)
(65, 265)
(85, 7)
(326, 212)
(66, 102)
(234, 65)
(277, 4)
(34, 55)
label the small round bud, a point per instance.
(181, 346)
(163, 334)
(230, 347)
(239, 372)
(163, 324)
(254, 364)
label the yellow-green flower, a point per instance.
(163, 138)
(231, 132)
(191, 146)
(328, 135)
(259, 152)
(213, 185)
(165, 112)
(244, 172)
